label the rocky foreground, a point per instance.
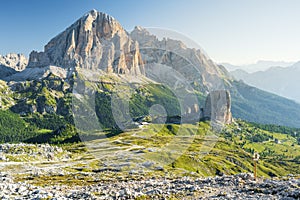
(30, 171)
(240, 186)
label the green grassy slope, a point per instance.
(252, 104)
(231, 154)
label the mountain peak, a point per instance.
(97, 17)
(140, 29)
(93, 12)
(95, 41)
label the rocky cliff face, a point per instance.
(11, 64)
(98, 42)
(218, 107)
(17, 62)
(95, 41)
(192, 63)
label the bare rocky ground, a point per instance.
(69, 178)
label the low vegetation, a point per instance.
(255, 105)
(232, 153)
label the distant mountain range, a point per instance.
(96, 47)
(258, 66)
(283, 81)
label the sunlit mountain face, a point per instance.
(103, 113)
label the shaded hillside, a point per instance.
(255, 105)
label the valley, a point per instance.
(103, 113)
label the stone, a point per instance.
(161, 188)
(2, 157)
(218, 107)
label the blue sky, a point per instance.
(235, 31)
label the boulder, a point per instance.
(218, 107)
